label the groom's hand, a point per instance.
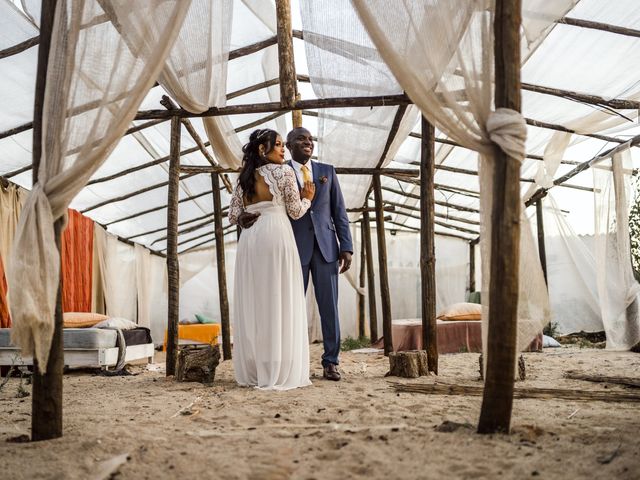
(345, 261)
(246, 219)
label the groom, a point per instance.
(323, 239)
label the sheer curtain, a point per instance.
(618, 290)
(118, 275)
(195, 72)
(442, 56)
(151, 287)
(97, 77)
(344, 62)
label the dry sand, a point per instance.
(357, 428)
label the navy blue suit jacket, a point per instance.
(326, 221)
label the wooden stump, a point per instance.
(198, 364)
(522, 370)
(410, 364)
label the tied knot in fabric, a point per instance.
(507, 129)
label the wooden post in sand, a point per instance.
(427, 246)
(472, 266)
(371, 277)
(173, 266)
(385, 295)
(222, 273)
(46, 399)
(497, 399)
(361, 299)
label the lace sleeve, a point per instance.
(296, 207)
(235, 206)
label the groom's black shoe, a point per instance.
(331, 372)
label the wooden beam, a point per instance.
(133, 194)
(155, 209)
(387, 208)
(373, 101)
(46, 399)
(161, 229)
(427, 246)
(371, 285)
(228, 231)
(605, 27)
(222, 273)
(437, 222)
(195, 227)
(173, 266)
(436, 214)
(454, 206)
(395, 172)
(541, 192)
(253, 48)
(169, 105)
(616, 103)
(446, 141)
(497, 399)
(137, 168)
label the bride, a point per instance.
(271, 347)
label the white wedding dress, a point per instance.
(271, 347)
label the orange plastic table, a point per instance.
(198, 332)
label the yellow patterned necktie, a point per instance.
(306, 175)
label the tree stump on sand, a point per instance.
(522, 370)
(410, 364)
(198, 364)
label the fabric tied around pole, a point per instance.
(35, 267)
(508, 129)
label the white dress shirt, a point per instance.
(297, 168)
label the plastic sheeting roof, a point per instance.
(572, 58)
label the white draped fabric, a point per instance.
(151, 285)
(92, 94)
(343, 62)
(571, 273)
(117, 262)
(618, 290)
(436, 79)
(195, 73)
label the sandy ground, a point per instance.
(356, 428)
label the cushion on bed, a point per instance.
(461, 311)
(204, 319)
(82, 319)
(117, 322)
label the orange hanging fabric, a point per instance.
(5, 319)
(77, 263)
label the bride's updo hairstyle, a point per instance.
(253, 159)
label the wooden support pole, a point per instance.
(46, 399)
(173, 266)
(385, 294)
(542, 251)
(285, 54)
(371, 280)
(472, 267)
(497, 399)
(222, 273)
(361, 284)
(427, 246)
